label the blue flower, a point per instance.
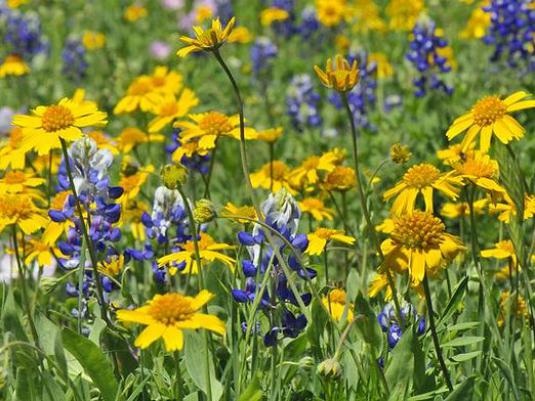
(262, 52)
(74, 60)
(302, 103)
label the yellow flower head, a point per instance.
(133, 180)
(340, 179)
(331, 12)
(20, 210)
(404, 13)
(269, 135)
(242, 211)
(12, 154)
(316, 208)
(273, 14)
(167, 315)
(173, 176)
(141, 94)
(400, 154)
(317, 241)
(113, 266)
(384, 68)
(275, 175)
(338, 74)
(13, 65)
(165, 81)
(490, 117)
(477, 25)
(507, 208)
(240, 34)
(462, 209)
(482, 171)
(41, 252)
(502, 250)
(368, 17)
(207, 40)
(209, 250)
(170, 108)
(336, 304)
(204, 211)
(422, 179)
(134, 13)
(20, 182)
(455, 154)
(518, 304)
(418, 242)
(93, 40)
(131, 137)
(44, 128)
(308, 172)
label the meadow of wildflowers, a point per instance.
(250, 200)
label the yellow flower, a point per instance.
(20, 182)
(503, 250)
(276, 175)
(337, 306)
(331, 12)
(340, 179)
(93, 40)
(367, 16)
(112, 266)
(404, 13)
(308, 172)
(269, 135)
(53, 230)
(242, 211)
(461, 209)
(490, 116)
(13, 65)
(400, 154)
(316, 208)
(240, 34)
(131, 137)
(384, 68)
(139, 95)
(16, 3)
(48, 124)
(134, 13)
(188, 149)
(342, 43)
(164, 81)
(477, 25)
(132, 183)
(520, 310)
(20, 211)
(482, 171)
(209, 250)
(507, 209)
(206, 40)
(317, 241)
(422, 179)
(418, 242)
(273, 14)
(167, 315)
(11, 153)
(42, 252)
(208, 127)
(455, 154)
(338, 74)
(131, 213)
(169, 109)
(203, 12)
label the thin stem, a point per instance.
(271, 157)
(178, 378)
(210, 171)
(436, 342)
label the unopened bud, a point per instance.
(399, 153)
(330, 369)
(173, 175)
(204, 211)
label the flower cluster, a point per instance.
(393, 328)
(303, 103)
(263, 51)
(74, 60)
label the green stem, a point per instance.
(210, 171)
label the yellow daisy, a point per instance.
(317, 241)
(134, 12)
(132, 183)
(403, 13)
(113, 266)
(520, 310)
(490, 117)
(316, 208)
(131, 137)
(93, 40)
(336, 304)
(502, 250)
(243, 211)
(308, 172)
(340, 179)
(12, 154)
(44, 128)
(273, 176)
(482, 171)
(331, 12)
(273, 14)
(170, 108)
(139, 95)
(54, 230)
(269, 135)
(167, 315)
(338, 74)
(165, 81)
(206, 40)
(507, 208)
(13, 65)
(422, 179)
(461, 209)
(455, 154)
(41, 252)
(20, 211)
(131, 213)
(20, 182)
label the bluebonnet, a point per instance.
(200, 163)
(74, 60)
(277, 300)
(224, 10)
(392, 327)
(303, 103)
(21, 34)
(287, 27)
(309, 23)
(363, 96)
(511, 32)
(392, 102)
(263, 51)
(90, 170)
(424, 54)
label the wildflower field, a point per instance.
(263, 200)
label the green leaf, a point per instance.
(11, 318)
(401, 367)
(253, 392)
(507, 372)
(463, 391)
(463, 341)
(94, 362)
(465, 357)
(454, 301)
(368, 327)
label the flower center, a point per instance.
(170, 308)
(325, 233)
(169, 109)
(215, 123)
(57, 118)
(421, 175)
(337, 296)
(478, 168)
(279, 170)
(140, 88)
(488, 110)
(418, 231)
(16, 206)
(14, 177)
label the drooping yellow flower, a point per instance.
(209, 250)
(20, 210)
(131, 137)
(490, 117)
(340, 179)
(269, 135)
(316, 208)
(12, 154)
(139, 95)
(240, 34)
(20, 182)
(461, 209)
(507, 208)
(93, 40)
(13, 65)
(338, 74)
(170, 108)
(482, 171)
(206, 40)
(422, 179)
(242, 211)
(308, 172)
(135, 12)
(317, 241)
(518, 304)
(273, 14)
(477, 24)
(167, 315)
(384, 68)
(208, 127)
(335, 302)
(331, 12)
(43, 129)
(275, 174)
(403, 14)
(418, 242)
(113, 266)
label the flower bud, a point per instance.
(399, 153)
(173, 175)
(204, 211)
(330, 369)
